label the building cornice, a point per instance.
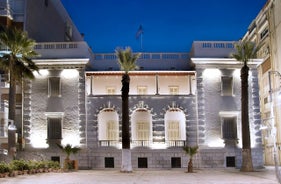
(222, 62)
(89, 73)
(72, 61)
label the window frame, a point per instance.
(174, 90)
(172, 129)
(110, 90)
(142, 131)
(49, 132)
(142, 90)
(224, 85)
(231, 114)
(52, 85)
(112, 131)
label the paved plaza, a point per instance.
(173, 176)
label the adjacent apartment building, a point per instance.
(176, 99)
(265, 31)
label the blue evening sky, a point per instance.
(168, 25)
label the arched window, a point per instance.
(175, 128)
(141, 127)
(108, 127)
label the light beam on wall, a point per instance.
(38, 141)
(71, 139)
(216, 143)
(41, 73)
(69, 73)
(212, 73)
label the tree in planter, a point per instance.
(191, 151)
(127, 61)
(68, 149)
(245, 51)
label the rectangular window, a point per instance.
(142, 90)
(176, 162)
(142, 131)
(109, 162)
(227, 86)
(142, 162)
(54, 87)
(110, 90)
(3, 128)
(264, 33)
(173, 131)
(68, 31)
(174, 90)
(111, 131)
(54, 128)
(229, 128)
(230, 162)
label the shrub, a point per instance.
(20, 165)
(4, 167)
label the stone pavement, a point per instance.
(145, 176)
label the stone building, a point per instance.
(176, 99)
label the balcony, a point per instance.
(176, 143)
(142, 143)
(62, 50)
(109, 143)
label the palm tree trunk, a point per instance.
(12, 97)
(247, 164)
(190, 166)
(125, 112)
(12, 114)
(126, 152)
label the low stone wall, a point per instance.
(150, 158)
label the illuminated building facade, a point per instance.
(176, 99)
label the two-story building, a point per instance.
(175, 99)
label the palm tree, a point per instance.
(17, 61)
(127, 61)
(191, 151)
(68, 150)
(245, 50)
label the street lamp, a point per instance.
(272, 127)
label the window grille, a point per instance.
(229, 128)
(54, 128)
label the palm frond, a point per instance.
(68, 149)
(245, 50)
(126, 59)
(20, 51)
(191, 151)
